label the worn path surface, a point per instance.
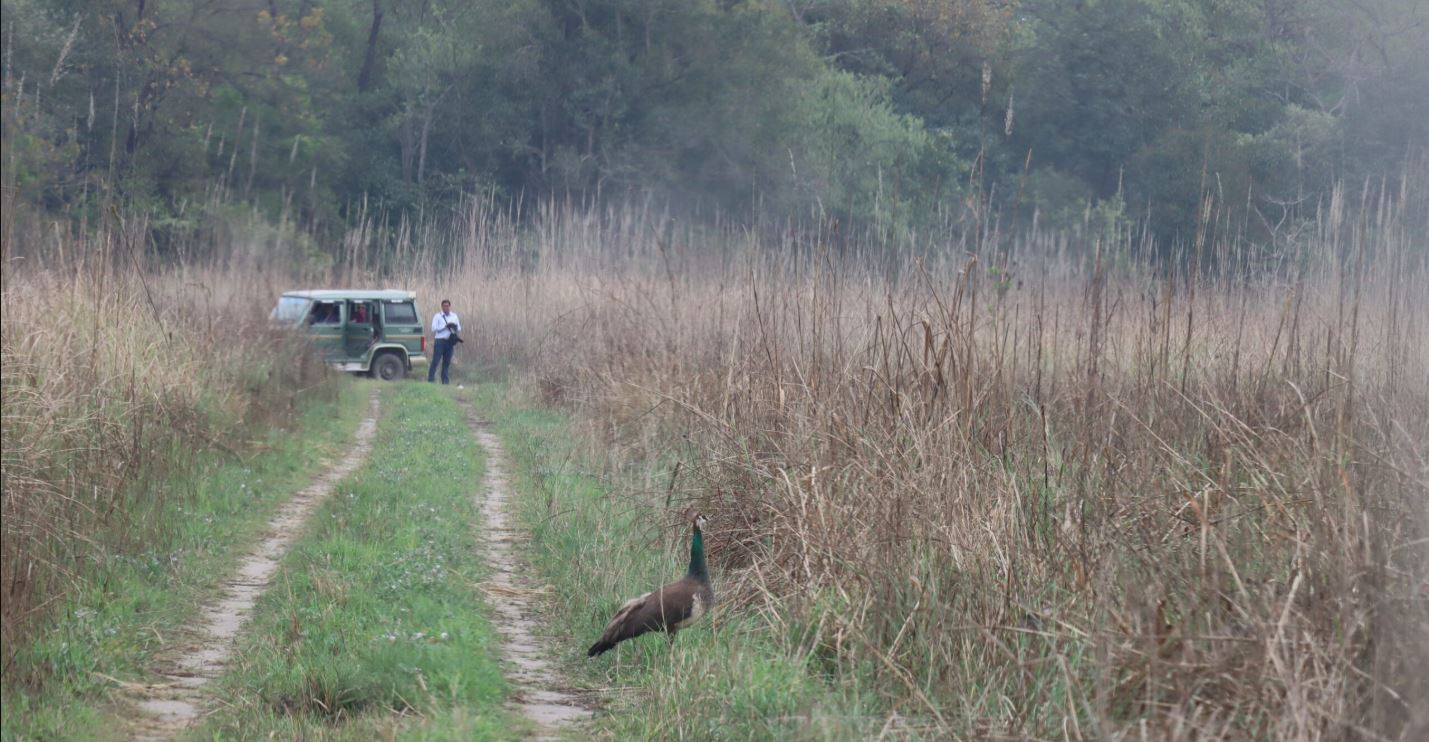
(541, 695)
(170, 706)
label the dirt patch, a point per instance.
(168, 707)
(541, 696)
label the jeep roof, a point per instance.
(332, 294)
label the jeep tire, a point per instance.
(388, 367)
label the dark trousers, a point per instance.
(441, 353)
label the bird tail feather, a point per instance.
(599, 648)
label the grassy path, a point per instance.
(174, 703)
(375, 627)
(401, 596)
(137, 602)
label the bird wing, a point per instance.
(672, 606)
(622, 616)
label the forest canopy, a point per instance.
(854, 110)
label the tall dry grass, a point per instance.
(118, 372)
(1021, 485)
(1054, 488)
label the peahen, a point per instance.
(670, 608)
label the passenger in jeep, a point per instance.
(325, 314)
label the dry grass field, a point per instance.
(1034, 486)
(1049, 490)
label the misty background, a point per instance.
(903, 114)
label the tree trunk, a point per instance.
(369, 59)
(422, 146)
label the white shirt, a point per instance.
(440, 322)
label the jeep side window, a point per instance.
(325, 313)
(401, 313)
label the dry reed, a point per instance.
(116, 376)
(1036, 491)
(1038, 485)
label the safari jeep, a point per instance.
(362, 331)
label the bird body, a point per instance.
(670, 608)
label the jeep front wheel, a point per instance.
(388, 367)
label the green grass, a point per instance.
(133, 600)
(727, 678)
(374, 626)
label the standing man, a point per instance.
(445, 331)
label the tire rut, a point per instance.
(541, 695)
(165, 709)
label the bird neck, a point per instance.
(698, 570)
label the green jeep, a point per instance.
(376, 332)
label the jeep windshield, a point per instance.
(290, 309)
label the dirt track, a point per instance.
(168, 707)
(541, 696)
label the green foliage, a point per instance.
(1174, 176)
(1098, 88)
(1243, 103)
(859, 154)
(869, 110)
(1058, 200)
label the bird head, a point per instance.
(700, 521)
